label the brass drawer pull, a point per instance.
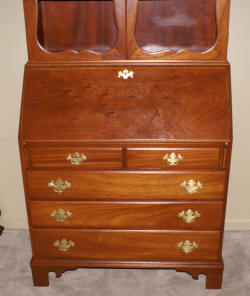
(60, 215)
(59, 186)
(63, 245)
(187, 246)
(76, 158)
(189, 216)
(172, 158)
(125, 74)
(191, 186)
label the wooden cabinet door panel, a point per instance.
(76, 31)
(153, 27)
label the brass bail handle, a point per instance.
(76, 158)
(172, 158)
(187, 246)
(59, 186)
(63, 245)
(189, 216)
(61, 215)
(191, 186)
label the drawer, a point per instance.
(126, 185)
(76, 157)
(164, 215)
(134, 245)
(173, 158)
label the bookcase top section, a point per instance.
(116, 30)
(91, 104)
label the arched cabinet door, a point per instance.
(177, 29)
(78, 30)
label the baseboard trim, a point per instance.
(230, 224)
(14, 223)
(237, 224)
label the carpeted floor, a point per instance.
(15, 274)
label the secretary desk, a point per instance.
(125, 135)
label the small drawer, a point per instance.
(128, 215)
(111, 185)
(76, 157)
(173, 158)
(136, 245)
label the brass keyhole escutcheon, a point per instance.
(125, 74)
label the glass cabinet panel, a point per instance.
(76, 25)
(176, 25)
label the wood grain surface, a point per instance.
(176, 25)
(125, 185)
(127, 244)
(67, 31)
(42, 267)
(200, 158)
(127, 215)
(160, 103)
(56, 157)
(216, 52)
(46, 26)
(125, 199)
(81, 23)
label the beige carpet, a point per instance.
(15, 274)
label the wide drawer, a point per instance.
(127, 185)
(173, 158)
(76, 157)
(126, 244)
(164, 215)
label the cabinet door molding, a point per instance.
(217, 52)
(34, 26)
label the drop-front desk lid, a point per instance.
(160, 103)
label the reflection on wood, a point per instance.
(176, 25)
(78, 25)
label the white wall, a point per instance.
(238, 210)
(12, 59)
(13, 55)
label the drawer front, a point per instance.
(128, 215)
(127, 185)
(76, 157)
(126, 244)
(173, 158)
